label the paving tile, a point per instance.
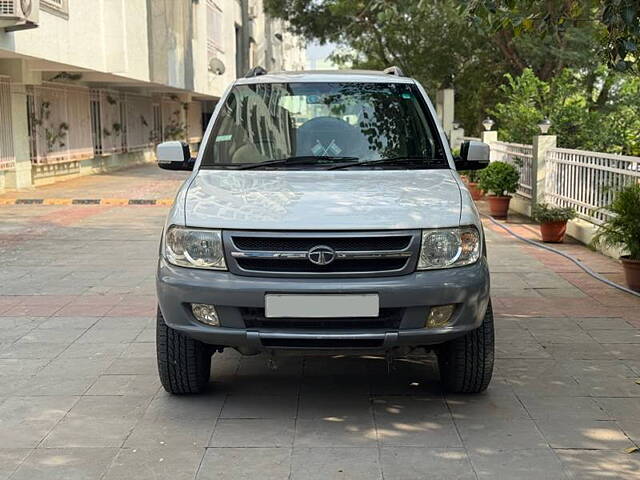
(562, 408)
(161, 463)
(57, 384)
(620, 408)
(500, 434)
(21, 367)
(597, 368)
(617, 336)
(335, 464)
(529, 464)
(177, 421)
(600, 323)
(622, 351)
(408, 408)
(71, 367)
(88, 351)
(579, 351)
(133, 366)
(33, 350)
(97, 422)
(562, 336)
(65, 464)
(10, 460)
(260, 406)
(248, 432)
(415, 463)
(27, 420)
(335, 432)
(245, 464)
(125, 385)
(488, 405)
(599, 464)
(564, 385)
(580, 433)
(437, 432)
(334, 405)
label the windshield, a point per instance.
(318, 125)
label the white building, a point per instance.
(92, 85)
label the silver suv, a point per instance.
(324, 213)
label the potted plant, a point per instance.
(473, 177)
(622, 230)
(499, 179)
(553, 221)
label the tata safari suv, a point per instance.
(324, 214)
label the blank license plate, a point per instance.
(321, 306)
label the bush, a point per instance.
(472, 175)
(499, 178)
(545, 213)
(622, 230)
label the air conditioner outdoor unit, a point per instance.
(19, 14)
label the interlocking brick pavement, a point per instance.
(80, 397)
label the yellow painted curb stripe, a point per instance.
(87, 201)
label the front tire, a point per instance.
(466, 363)
(184, 364)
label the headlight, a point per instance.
(449, 247)
(188, 247)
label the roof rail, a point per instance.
(394, 71)
(255, 72)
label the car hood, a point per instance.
(323, 200)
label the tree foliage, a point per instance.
(470, 45)
(600, 113)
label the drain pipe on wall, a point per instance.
(586, 269)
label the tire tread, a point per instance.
(183, 363)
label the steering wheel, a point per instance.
(335, 136)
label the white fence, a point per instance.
(587, 181)
(7, 155)
(521, 157)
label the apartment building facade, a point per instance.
(92, 85)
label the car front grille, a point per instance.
(388, 319)
(283, 254)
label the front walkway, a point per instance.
(80, 397)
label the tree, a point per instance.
(616, 24)
(579, 116)
(470, 45)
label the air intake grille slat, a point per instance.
(389, 319)
(286, 254)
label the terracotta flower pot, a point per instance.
(475, 191)
(553, 232)
(499, 206)
(631, 272)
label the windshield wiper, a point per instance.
(414, 161)
(301, 160)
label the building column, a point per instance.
(445, 104)
(541, 144)
(20, 177)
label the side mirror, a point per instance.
(174, 156)
(473, 156)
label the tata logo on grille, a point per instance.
(321, 255)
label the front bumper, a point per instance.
(415, 294)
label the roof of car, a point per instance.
(356, 76)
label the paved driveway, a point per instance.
(80, 398)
